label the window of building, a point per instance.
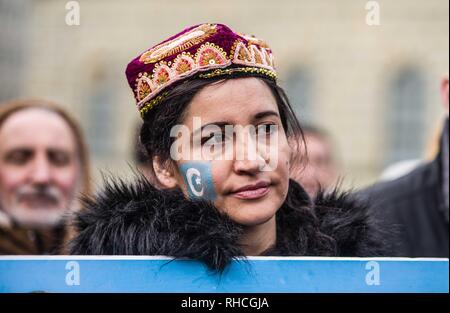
(298, 86)
(405, 116)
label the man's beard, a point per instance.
(37, 207)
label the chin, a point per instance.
(253, 215)
(254, 222)
(39, 218)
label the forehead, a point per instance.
(233, 100)
(36, 127)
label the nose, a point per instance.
(247, 159)
(249, 167)
(40, 171)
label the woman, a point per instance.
(215, 129)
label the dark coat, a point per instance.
(138, 219)
(17, 240)
(414, 206)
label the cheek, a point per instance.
(199, 180)
(220, 170)
(284, 158)
(66, 178)
(12, 178)
(281, 173)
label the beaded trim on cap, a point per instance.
(204, 51)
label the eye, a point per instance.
(59, 158)
(266, 129)
(215, 138)
(19, 157)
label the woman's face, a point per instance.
(239, 155)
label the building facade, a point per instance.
(375, 88)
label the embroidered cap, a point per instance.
(201, 51)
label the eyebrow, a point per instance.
(20, 148)
(264, 114)
(221, 124)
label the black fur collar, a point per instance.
(137, 219)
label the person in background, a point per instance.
(403, 167)
(44, 165)
(417, 204)
(319, 169)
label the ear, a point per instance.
(444, 92)
(164, 173)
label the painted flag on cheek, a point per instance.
(198, 179)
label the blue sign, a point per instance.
(256, 274)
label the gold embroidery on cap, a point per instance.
(185, 41)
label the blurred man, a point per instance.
(319, 169)
(43, 168)
(417, 204)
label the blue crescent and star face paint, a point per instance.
(198, 179)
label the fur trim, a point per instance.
(349, 222)
(138, 219)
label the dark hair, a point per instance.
(140, 156)
(155, 131)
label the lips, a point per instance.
(38, 200)
(250, 192)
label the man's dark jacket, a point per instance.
(415, 206)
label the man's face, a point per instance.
(39, 167)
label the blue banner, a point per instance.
(255, 274)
